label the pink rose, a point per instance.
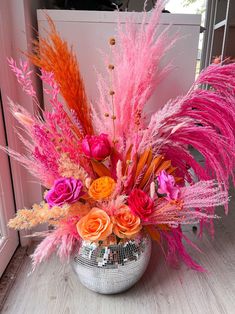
(96, 146)
(166, 185)
(64, 190)
(140, 204)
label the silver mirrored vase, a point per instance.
(112, 268)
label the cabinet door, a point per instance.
(8, 238)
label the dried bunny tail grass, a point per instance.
(52, 54)
(67, 168)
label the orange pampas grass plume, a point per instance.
(53, 55)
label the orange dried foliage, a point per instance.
(153, 165)
(142, 161)
(100, 169)
(53, 55)
(150, 158)
(154, 233)
(126, 159)
(164, 166)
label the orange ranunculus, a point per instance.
(95, 226)
(101, 188)
(126, 224)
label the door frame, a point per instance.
(15, 35)
(9, 239)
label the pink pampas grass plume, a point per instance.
(203, 119)
(136, 74)
(61, 240)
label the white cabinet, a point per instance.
(89, 32)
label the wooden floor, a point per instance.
(54, 289)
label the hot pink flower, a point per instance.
(64, 190)
(140, 204)
(167, 186)
(96, 146)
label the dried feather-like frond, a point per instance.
(35, 165)
(23, 75)
(137, 72)
(46, 139)
(119, 178)
(174, 249)
(62, 240)
(39, 214)
(68, 169)
(203, 119)
(52, 54)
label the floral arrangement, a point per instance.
(111, 174)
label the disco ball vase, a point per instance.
(114, 267)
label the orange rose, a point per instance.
(95, 226)
(126, 224)
(101, 188)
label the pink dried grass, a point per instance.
(136, 74)
(204, 195)
(47, 136)
(172, 244)
(203, 119)
(23, 75)
(62, 240)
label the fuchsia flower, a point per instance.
(166, 185)
(140, 204)
(96, 146)
(64, 190)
